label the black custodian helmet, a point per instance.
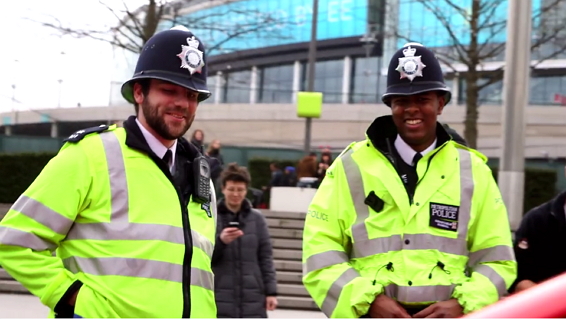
(414, 69)
(176, 56)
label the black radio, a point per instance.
(201, 171)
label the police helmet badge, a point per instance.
(410, 66)
(191, 57)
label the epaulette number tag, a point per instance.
(80, 134)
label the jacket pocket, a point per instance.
(259, 280)
(90, 304)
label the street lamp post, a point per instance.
(60, 87)
(311, 72)
(511, 177)
(369, 41)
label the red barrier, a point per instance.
(546, 300)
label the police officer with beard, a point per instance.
(408, 223)
(129, 211)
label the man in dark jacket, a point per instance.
(540, 242)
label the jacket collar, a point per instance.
(136, 140)
(383, 132)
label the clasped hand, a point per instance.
(386, 307)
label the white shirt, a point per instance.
(407, 153)
(157, 147)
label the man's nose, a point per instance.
(182, 100)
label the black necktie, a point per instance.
(167, 157)
(416, 158)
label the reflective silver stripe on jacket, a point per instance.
(120, 228)
(15, 237)
(138, 268)
(42, 214)
(331, 300)
(420, 294)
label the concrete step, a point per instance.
(292, 290)
(4, 275)
(288, 254)
(296, 244)
(285, 223)
(283, 215)
(12, 286)
(288, 265)
(289, 277)
(286, 233)
(298, 303)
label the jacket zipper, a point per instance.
(187, 258)
(188, 240)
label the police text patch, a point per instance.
(444, 216)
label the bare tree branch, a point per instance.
(133, 28)
(443, 19)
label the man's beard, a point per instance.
(157, 122)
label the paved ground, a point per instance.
(26, 306)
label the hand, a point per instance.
(524, 285)
(271, 303)
(386, 307)
(73, 300)
(442, 309)
(230, 234)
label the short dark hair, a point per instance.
(235, 173)
(145, 84)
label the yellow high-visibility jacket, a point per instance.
(118, 226)
(453, 241)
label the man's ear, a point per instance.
(441, 103)
(138, 93)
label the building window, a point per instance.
(237, 87)
(328, 79)
(276, 84)
(489, 95)
(367, 83)
(544, 90)
(547, 90)
(211, 84)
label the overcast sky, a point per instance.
(32, 58)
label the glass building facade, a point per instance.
(356, 78)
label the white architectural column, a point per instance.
(346, 79)
(456, 89)
(296, 80)
(219, 84)
(8, 130)
(254, 85)
(54, 130)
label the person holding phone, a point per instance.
(245, 285)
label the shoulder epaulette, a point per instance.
(80, 134)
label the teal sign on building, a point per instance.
(265, 23)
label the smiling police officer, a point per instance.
(415, 222)
(128, 210)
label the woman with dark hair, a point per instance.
(198, 138)
(245, 285)
(323, 165)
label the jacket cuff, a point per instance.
(63, 309)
